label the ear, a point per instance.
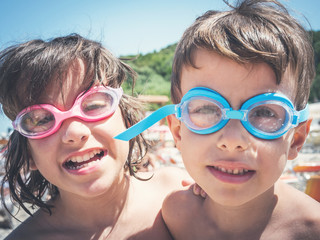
(300, 135)
(32, 165)
(175, 126)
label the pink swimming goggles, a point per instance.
(39, 121)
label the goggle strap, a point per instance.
(304, 114)
(147, 122)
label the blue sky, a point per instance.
(123, 26)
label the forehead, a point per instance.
(62, 91)
(232, 79)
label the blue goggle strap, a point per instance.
(147, 122)
(299, 116)
(303, 115)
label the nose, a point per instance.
(233, 137)
(74, 131)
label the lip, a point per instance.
(86, 165)
(231, 172)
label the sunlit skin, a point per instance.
(100, 200)
(235, 202)
(233, 147)
(75, 138)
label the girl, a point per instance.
(66, 104)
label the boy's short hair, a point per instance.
(254, 31)
(25, 72)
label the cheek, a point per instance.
(191, 141)
(188, 139)
(41, 147)
(41, 152)
(115, 124)
(122, 150)
(106, 129)
(272, 156)
(105, 132)
(194, 147)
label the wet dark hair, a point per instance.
(253, 31)
(25, 72)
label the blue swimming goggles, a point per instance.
(204, 111)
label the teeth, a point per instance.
(84, 157)
(78, 167)
(82, 166)
(78, 159)
(236, 171)
(78, 162)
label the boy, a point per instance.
(242, 81)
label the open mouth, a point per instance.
(236, 171)
(78, 162)
(232, 175)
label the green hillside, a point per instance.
(154, 71)
(315, 89)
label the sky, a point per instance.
(123, 26)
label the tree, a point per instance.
(154, 71)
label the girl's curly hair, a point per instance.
(25, 71)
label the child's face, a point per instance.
(254, 164)
(100, 158)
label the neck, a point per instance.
(249, 218)
(98, 211)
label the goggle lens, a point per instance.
(97, 103)
(202, 113)
(268, 118)
(37, 121)
(43, 120)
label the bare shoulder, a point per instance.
(179, 212)
(182, 203)
(149, 196)
(301, 202)
(302, 213)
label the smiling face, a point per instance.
(231, 165)
(82, 157)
